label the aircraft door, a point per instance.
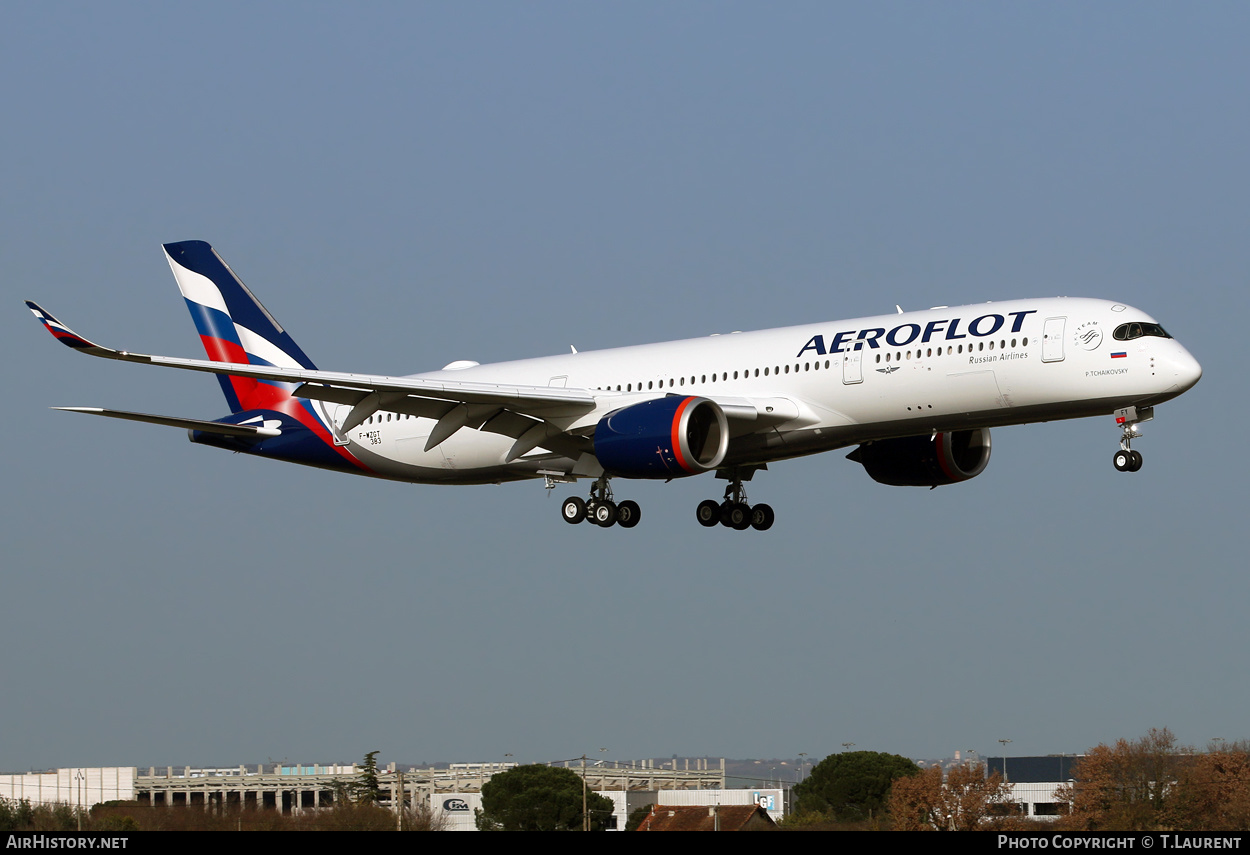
(334, 415)
(853, 367)
(1052, 340)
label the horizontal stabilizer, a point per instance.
(170, 421)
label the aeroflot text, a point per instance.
(904, 334)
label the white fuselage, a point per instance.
(823, 386)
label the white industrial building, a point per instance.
(80, 787)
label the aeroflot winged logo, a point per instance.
(905, 334)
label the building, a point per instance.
(707, 818)
(1034, 780)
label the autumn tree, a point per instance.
(1215, 789)
(966, 800)
(1131, 786)
(851, 785)
(1153, 784)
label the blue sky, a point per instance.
(406, 184)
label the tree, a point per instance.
(965, 801)
(1217, 789)
(539, 798)
(1153, 784)
(367, 790)
(1131, 786)
(852, 785)
(636, 816)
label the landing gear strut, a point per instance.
(600, 509)
(734, 511)
(1126, 459)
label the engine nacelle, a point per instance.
(926, 461)
(665, 438)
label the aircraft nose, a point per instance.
(1188, 371)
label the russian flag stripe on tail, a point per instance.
(232, 323)
(235, 327)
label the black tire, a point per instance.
(708, 513)
(1123, 460)
(740, 516)
(1137, 461)
(573, 510)
(762, 517)
(628, 514)
(604, 514)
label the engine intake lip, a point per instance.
(700, 435)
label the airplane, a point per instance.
(916, 392)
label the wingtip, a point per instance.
(60, 332)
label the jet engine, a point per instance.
(926, 461)
(665, 438)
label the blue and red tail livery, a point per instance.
(232, 323)
(235, 328)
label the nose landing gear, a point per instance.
(1127, 460)
(1128, 418)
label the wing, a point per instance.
(533, 415)
(561, 419)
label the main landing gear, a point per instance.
(734, 512)
(1126, 459)
(600, 509)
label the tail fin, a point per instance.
(233, 325)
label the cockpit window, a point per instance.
(1128, 332)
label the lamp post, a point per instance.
(80, 775)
